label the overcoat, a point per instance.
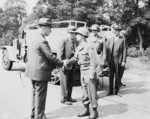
(121, 49)
(40, 58)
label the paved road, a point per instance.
(15, 97)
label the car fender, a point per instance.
(12, 53)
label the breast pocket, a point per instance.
(85, 57)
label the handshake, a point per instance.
(67, 65)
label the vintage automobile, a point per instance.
(105, 31)
(18, 51)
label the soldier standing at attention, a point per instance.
(99, 44)
(86, 57)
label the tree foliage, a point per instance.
(128, 13)
(11, 19)
(83, 10)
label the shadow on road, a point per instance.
(72, 111)
(134, 87)
(130, 88)
(20, 69)
(112, 109)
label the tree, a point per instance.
(128, 13)
(84, 10)
(11, 18)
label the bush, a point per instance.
(147, 52)
(144, 59)
(133, 52)
(146, 56)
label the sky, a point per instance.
(30, 4)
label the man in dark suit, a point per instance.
(66, 51)
(38, 67)
(116, 57)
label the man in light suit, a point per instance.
(66, 51)
(116, 57)
(38, 67)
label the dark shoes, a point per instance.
(84, 113)
(32, 116)
(72, 100)
(122, 85)
(66, 102)
(94, 115)
(118, 94)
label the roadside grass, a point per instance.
(135, 65)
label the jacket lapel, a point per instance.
(112, 43)
(70, 44)
(118, 43)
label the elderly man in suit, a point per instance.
(66, 51)
(38, 67)
(116, 57)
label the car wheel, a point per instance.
(7, 63)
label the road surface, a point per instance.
(15, 98)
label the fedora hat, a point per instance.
(44, 22)
(71, 29)
(117, 27)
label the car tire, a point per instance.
(7, 63)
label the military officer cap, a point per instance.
(45, 22)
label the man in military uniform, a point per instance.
(66, 50)
(86, 57)
(99, 44)
(116, 57)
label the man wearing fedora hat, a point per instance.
(39, 67)
(116, 57)
(66, 51)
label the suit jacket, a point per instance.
(121, 49)
(66, 49)
(40, 58)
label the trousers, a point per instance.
(89, 89)
(39, 93)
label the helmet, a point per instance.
(95, 27)
(71, 29)
(83, 31)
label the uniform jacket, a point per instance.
(86, 57)
(40, 58)
(121, 49)
(99, 44)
